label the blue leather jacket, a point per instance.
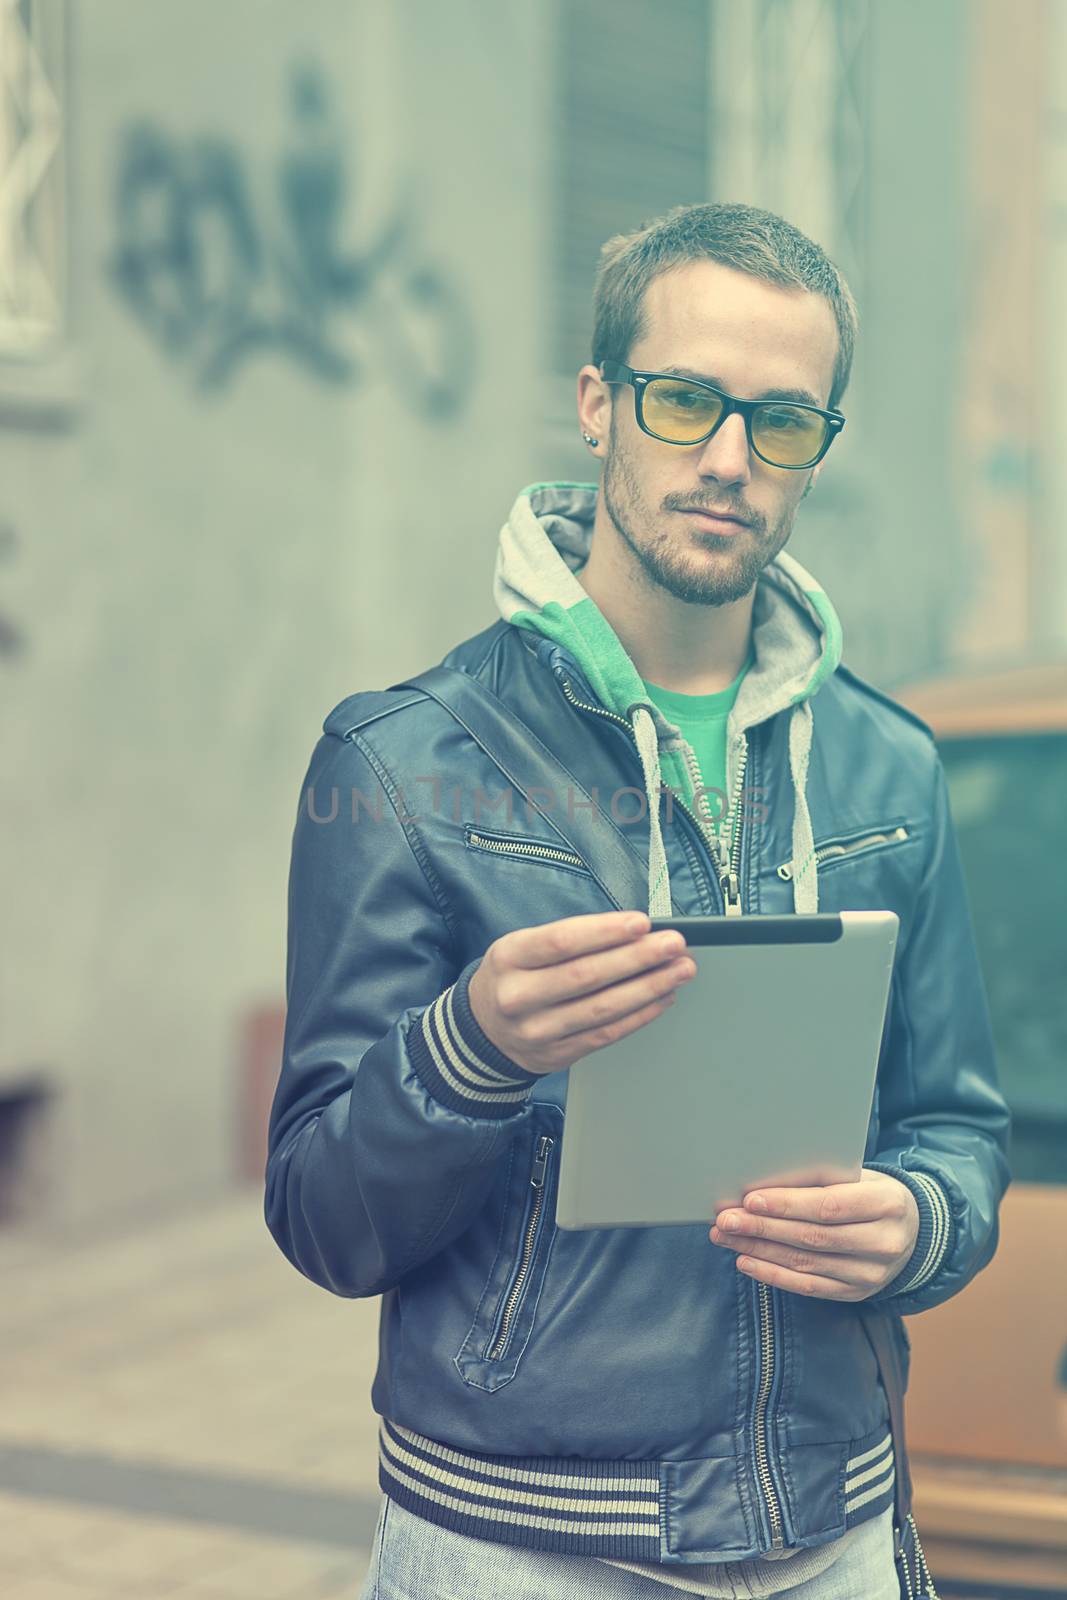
(618, 1392)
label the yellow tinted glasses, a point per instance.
(784, 433)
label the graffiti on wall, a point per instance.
(216, 280)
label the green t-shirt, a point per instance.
(702, 720)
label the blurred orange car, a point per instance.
(987, 1399)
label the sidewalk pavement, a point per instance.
(183, 1416)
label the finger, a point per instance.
(805, 1283)
(832, 1202)
(740, 1228)
(843, 1268)
(588, 991)
(584, 1043)
(601, 969)
(593, 1012)
(566, 937)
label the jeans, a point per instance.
(413, 1559)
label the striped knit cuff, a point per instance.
(934, 1239)
(459, 1064)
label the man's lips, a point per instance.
(715, 522)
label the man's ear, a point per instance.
(594, 404)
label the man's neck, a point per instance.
(677, 645)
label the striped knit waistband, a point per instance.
(567, 1505)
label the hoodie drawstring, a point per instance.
(805, 873)
(659, 883)
(805, 867)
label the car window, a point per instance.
(1008, 795)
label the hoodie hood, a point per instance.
(796, 646)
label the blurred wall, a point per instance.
(849, 119)
(324, 280)
(201, 572)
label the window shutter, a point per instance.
(632, 119)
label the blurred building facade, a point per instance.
(291, 305)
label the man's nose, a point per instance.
(725, 456)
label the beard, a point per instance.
(664, 558)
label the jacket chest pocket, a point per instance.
(846, 847)
(510, 845)
(503, 1322)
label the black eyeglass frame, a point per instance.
(617, 372)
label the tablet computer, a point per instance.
(761, 1072)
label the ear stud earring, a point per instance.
(590, 441)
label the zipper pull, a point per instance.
(541, 1162)
(731, 893)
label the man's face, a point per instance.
(749, 338)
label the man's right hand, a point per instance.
(547, 996)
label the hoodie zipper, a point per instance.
(728, 879)
(537, 1183)
(727, 874)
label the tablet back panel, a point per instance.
(762, 1072)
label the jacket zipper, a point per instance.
(826, 851)
(759, 1426)
(522, 847)
(726, 872)
(729, 883)
(537, 1183)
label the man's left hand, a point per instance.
(841, 1241)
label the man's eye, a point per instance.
(688, 399)
(785, 420)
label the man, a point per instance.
(632, 1411)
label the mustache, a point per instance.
(729, 510)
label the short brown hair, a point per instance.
(743, 237)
